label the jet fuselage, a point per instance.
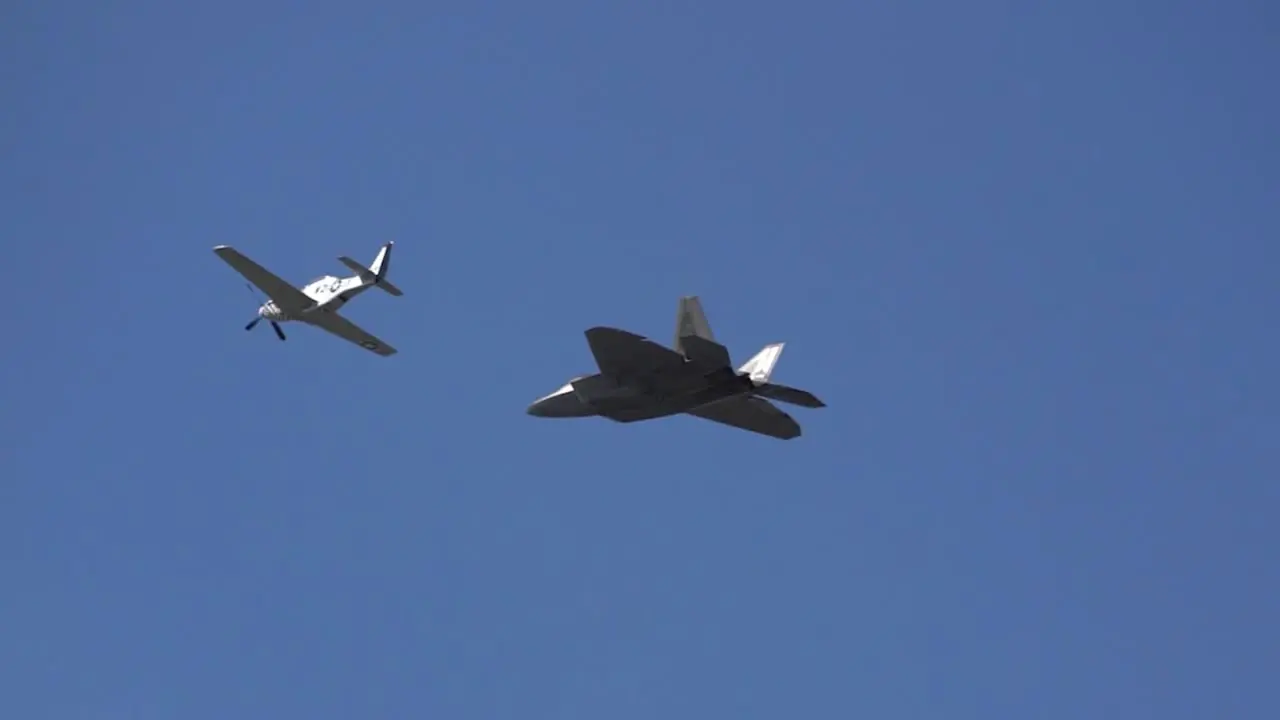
(628, 399)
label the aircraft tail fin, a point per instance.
(691, 321)
(761, 365)
(382, 262)
(376, 273)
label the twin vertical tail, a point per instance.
(697, 343)
(760, 368)
(376, 273)
(694, 338)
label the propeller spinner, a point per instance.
(274, 325)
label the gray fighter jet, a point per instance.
(641, 380)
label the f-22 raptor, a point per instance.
(641, 380)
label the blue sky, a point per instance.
(1026, 255)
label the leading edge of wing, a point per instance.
(285, 295)
(623, 352)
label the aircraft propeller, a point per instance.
(274, 325)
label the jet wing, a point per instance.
(619, 352)
(750, 413)
(286, 296)
(348, 330)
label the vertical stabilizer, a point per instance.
(761, 365)
(382, 262)
(375, 274)
(691, 321)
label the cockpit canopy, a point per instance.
(567, 387)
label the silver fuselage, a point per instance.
(329, 293)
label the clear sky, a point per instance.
(1028, 256)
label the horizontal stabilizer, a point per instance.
(706, 353)
(375, 274)
(791, 395)
(359, 269)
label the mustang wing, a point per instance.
(750, 413)
(620, 353)
(348, 330)
(286, 296)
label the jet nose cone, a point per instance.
(536, 409)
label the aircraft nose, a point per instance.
(536, 409)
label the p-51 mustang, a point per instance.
(640, 380)
(318, 302)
